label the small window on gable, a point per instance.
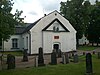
(15, 43)
(56, 27)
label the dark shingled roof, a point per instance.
(22, 29)
(30, 26)
(19, 30)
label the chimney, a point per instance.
(44, 14)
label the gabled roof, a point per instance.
(19, 30)
(29, 26)
(53, 22)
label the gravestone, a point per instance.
(10, 61)
(75, 58)
(72, 54)
(89, 69)
(25, 55)
(59, 53)
(53, 58)
(98, 55)
(36, 62)
(83, 53)
(66, 58)
(93, 52)
(40, 57)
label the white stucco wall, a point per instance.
(8, 44)
(66, 41)
(26, 42)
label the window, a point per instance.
(15, 43)
(56, 27)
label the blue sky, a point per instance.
(35, 9)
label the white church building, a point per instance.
(50, 32)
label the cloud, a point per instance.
(35, 9)
(32, 13)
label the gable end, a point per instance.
(45, 29)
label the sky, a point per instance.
(35, 9)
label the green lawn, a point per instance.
(87, 48)
(61, 69)
(15, 53)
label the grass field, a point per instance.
(16, 53)
(60, 69)
(87, 48)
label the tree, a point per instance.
(72, 10)
(94, 27)
(8, 21)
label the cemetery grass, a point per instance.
(15, 53)
(87, 48)
(60, 69)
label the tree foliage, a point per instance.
(72, 10)
(8, 21)
(84, 16)
(94, 26)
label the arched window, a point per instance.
(56, 27)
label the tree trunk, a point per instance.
(97, 44)
(77, 41)
(92, 44)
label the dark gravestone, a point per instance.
(59, 53)
(93, 52)
(89, 69)
(98, 55)
(25, 55)
(10, 61)
(83, 53)
(66, 58)
(75, 58)
(72, 54)
(40, 57)
(53, 58)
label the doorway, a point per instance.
(56, 47)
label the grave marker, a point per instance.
(10, 61)
(53, 58)
(40, 57)
(89, 69)
(75, 58)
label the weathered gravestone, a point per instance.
(40, 57)
(59, 53)
(25, 55)
(36, 62)
(63, 59)
(89, 69)
(66, 58)
(98, 55)
(10, 61)
(53, 58)
(75, 58)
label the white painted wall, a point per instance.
(66, 39)
(26, 39)
(8, 44)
